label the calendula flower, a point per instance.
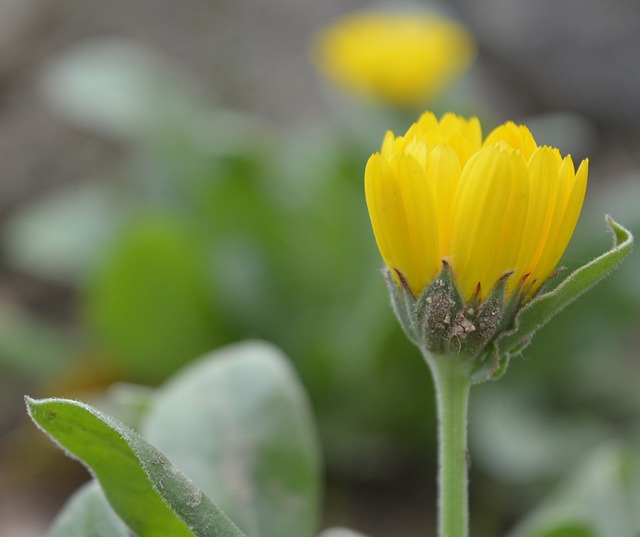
(492, 214)
(401, 58)
(470, 229)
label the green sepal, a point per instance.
(403, 305)
(437, 309)
(491, 317)
(545, 306)
(440, 321)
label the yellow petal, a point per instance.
(571, 189)
(503, 206)
(443, 172)
(517, 136)
(402, 210)
(543, 172)
(489, 218)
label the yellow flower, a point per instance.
(402, 58)
(505, 205)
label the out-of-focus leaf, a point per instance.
(592, 503)
(128, 91)
(512, 436)
(239, 422)
(340, 532)
(126, 402)
(88, 514)
(149, 303)
(113, 86)
(152, 496)
(62, 236)
(31, 347)
(567, 531)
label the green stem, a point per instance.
(452, 383)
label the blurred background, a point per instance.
(176, 175)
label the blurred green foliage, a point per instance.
(150, 300)
(214, 227)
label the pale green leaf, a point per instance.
(239, 422)
(592, 502)
(340, 532)
(88, 514)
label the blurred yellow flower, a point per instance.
(487, 208)
(403, 58)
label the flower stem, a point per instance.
(452, 385)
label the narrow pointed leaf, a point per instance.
(152, 496)
(544, 307)
(88, 514)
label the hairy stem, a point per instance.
(452, 385)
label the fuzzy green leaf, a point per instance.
(544, 307)
(239, 422)
(151, 495)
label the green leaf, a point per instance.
(152, 496)
(340, 532)
(240, 423)
(88, 514)
(567, 531)
(32, 347)
(149, 303)
(592, 502)
(61, 236)
(131, 83)
(544, 307)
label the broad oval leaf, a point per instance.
(152, 496)
(148, 302)
(594, 501)
(88, 514)
(340, 532)
(239, 422)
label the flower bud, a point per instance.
(469, 230)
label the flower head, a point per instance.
(491, 209)
(401, 58)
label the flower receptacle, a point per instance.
(440, 321)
